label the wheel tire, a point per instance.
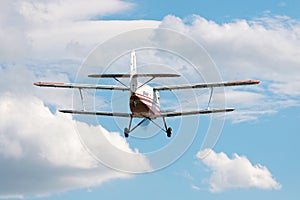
(126, 132)
(169, 132)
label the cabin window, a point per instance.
(145, 93)
(157, 96)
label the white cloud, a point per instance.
(43, 33)
(74, 40)
(249, 105)
(59, 30)
(195, 187)
(264, 48)
(14, 44)
(64, 10)
(286, 89)
(237, 172)
(41, 153)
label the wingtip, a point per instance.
(94, 75)
(47, 83)
(230, 109)
(256, 81)
(65, 111)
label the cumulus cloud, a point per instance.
(75, 40)
(13, 39)
(44, 40)
(45, 11)
(59, 30)
(41, 153)
(236, 172)
(40, 150)
(264, 48)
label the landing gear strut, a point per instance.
(126, 132)
(166, 129)
(169, 132)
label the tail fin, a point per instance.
(133, 71)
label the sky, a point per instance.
(45, 154)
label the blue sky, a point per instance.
(213, 10)
(246, 40)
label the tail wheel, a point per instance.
(169, 132)
(126, 132)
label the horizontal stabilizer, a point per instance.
(135, 75)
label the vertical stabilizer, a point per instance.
(133, 71)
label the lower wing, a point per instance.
(167, 114)
(196, 112)
(81, 112)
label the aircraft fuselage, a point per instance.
(144, 102)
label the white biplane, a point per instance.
(144, 101)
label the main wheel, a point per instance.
(126, 132)
(169, 132)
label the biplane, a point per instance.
(144, 100)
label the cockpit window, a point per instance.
(145, 93)
(157, 96)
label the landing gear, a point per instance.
(126, 132)
(129, 129)
(166, 129)
(169, 132)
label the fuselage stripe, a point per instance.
(147, 99)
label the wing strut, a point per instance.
(165, 123)
(210, 97)
(146, 82)
(121, 83)
(82, 100)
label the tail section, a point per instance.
(133, 71)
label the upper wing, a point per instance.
(197, 112)
(109, 75)
(207, 85)
(128, 75)
(80, 86)
(96, 113)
